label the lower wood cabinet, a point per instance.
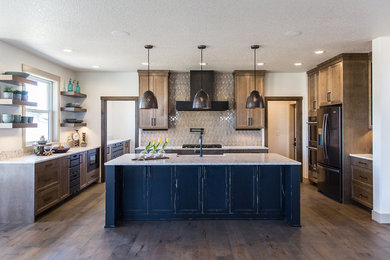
(244, 188)
(188, 189)
(156, 191)
(215, 189)
(64, 177)
(362, 191)
(161, 190)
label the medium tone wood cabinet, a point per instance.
(150, 119)
(344, 80)
(331, 84)
(312, 80)
(83, 169)
(362, 191)
(248, 119)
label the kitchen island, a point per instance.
(229, 186)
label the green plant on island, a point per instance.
(16, 92)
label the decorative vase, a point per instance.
(25, 97)
(161, 154)
(78, 87)
(17, 118)
(70, 85)
(8, 95)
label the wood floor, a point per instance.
(75, 231)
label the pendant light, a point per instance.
(255, 100)
(148, 99)
(201, 99)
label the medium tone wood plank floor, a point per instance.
(75, 231)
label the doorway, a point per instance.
(117, 124)
(283, 126)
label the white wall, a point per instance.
(120, 120)
(97, 84)
(381, 129)
(291, 84)
(11, 59)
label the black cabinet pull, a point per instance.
(329, 96)
(362, 163)
(363, 196)
(48, 165)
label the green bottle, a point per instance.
(70, 85)
(78, 87)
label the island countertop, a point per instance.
(225, 159)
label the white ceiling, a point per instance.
(176, 27)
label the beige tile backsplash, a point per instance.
(219, 125)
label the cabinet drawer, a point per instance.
(46, 198)
(92, 176)
(362, 174)
(362, 193)
(46, 174)
(361, 162)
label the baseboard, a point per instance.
(382, 218)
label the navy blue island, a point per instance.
(189, 187)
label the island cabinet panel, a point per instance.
(161, 181)
(188, 189)
(270, 189)
(134, 190)
(216, 189)
(244, 189)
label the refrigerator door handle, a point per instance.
(324, 135)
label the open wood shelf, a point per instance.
(17, 125)
(15, 80)
(14, 102)
(73, 109)
(73, 124)
(73, 94)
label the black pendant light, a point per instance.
(254, 100)
(201, 99)
(148, 99)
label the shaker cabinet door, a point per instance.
(161, 189)
(244, 189)
(134, 190)
(188, 189)
(270, 189)
(216, 189)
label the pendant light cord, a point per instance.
(254, 66)
(201, 69)
(148, 71)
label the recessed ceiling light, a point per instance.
(145, 63)
(298, 64)
(319, 52)
(260, 63)
(202, 63)
(95, 66)
(120, 33)
(292, 33)
(67, 50)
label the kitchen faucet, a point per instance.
(201, 132)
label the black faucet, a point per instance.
(201, 132)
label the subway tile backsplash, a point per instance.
(219, 125)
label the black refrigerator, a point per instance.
(329, 152)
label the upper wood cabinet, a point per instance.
(330, 83)
(153, 119)
(248, 119)
(312, 78)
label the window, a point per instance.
(43, 113)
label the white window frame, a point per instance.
(49, 111)
(54, 116)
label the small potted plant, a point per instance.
(25, 95)
(8, 92)
(17, 95)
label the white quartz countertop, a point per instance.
(33, 159)
(225, 159)
(362, 156)
(224, 147)
(115, 141)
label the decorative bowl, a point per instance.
(24, 119)
(17, 118)
(7, 118)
